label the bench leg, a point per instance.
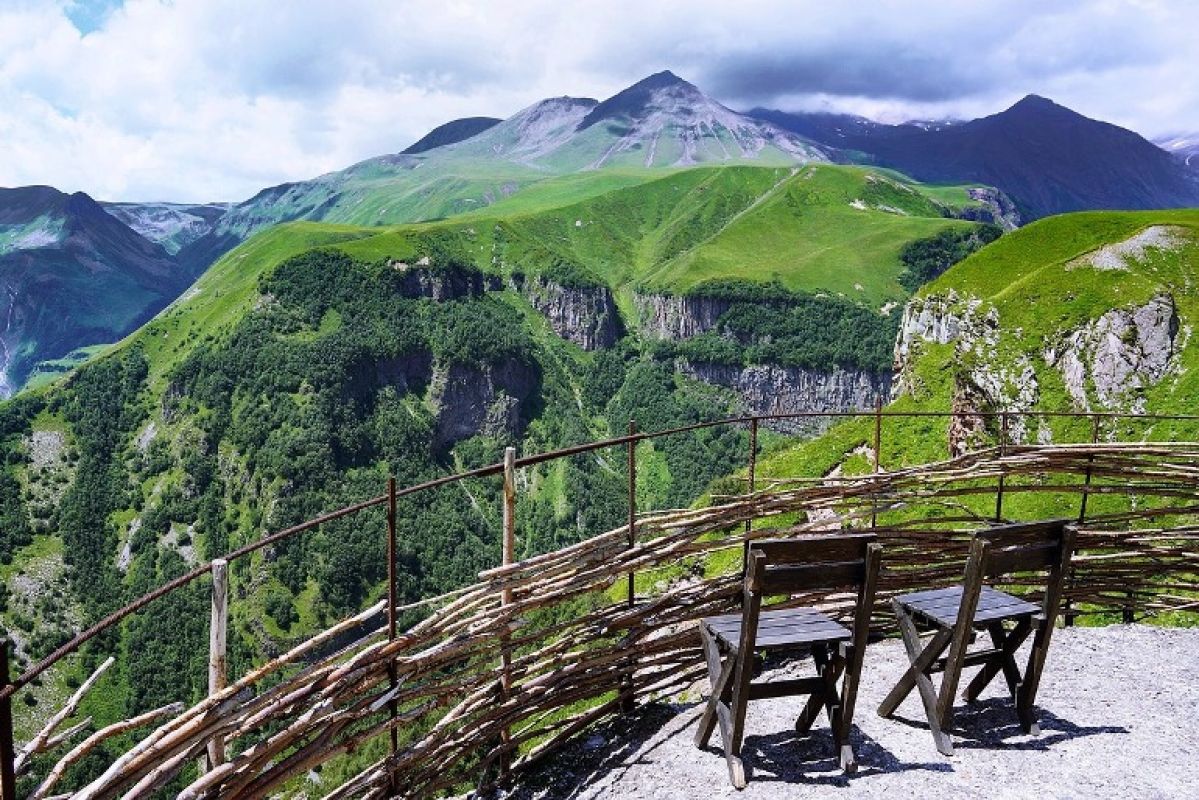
(1009, 643)
(720, 677)
(1026, 694)
(918, 677)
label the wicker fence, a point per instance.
(498, 674)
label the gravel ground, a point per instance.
(1118, 707)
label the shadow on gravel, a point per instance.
(992, 723)
(809, 759)
(608, 751)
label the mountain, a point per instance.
(172, 225)
(1047, 158)
(316, 358)
(71, 275)
(1183, 146)
(659, 122)
(451, 132)
(1078, 312)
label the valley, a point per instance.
(178, 380)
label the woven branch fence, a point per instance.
(500, 673)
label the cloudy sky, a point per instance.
(196, 100)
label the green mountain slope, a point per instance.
(315, 359)
(1081, 312)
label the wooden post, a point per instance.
(1002, 453)
(218, 664)
(626, 680)
(752, 485)
(509, 556)
(1068, 612)
(631, 455)
(878, 444)
(8, 756)
(392, 604)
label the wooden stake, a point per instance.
(392, 602)
(878, 443)
(1068, 612)
(8, 777)
(218, 665)
(1002, 453)
(509, 556)
(753, 468)
(626, 679)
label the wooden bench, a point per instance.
(785, 567)
(954, 613)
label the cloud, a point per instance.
(214, 99)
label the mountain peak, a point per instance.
(635, 101)
(660, 80)
(451, 132)
(1035, 103)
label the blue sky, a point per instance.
(89, 15)
(197, 100)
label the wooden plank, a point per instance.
(1028, 558)
(857, 651)
(921, 660)
(785, 688)
(719, 675)
(815, 549)
(788, 579)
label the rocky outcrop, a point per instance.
(941, 319)
(1107, 363)
(469, 400)
(998, 208)
(410, 372)
(421, 281)
(774, 389)
(668, 316)
(982, 382)
(585, 315)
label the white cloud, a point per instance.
(214, 99)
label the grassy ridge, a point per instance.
(1041, 290)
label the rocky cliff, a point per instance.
(443, 283)
(1117, 355)
(774, 389)
(469, 400)
(1105, 364)
(585, 315)
(667, 316)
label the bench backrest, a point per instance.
(1023, 547)
(791, 566)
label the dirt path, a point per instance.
(1119, 711)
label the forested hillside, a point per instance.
(315, 360)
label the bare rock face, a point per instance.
(999, 208)
(1118, 355)
(941, 319)
(774, 389)
(985, 381)
(444, 283)
(469, 400)
(585, 315)
(668, 316)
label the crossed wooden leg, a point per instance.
(917, 675)
(719, 709)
